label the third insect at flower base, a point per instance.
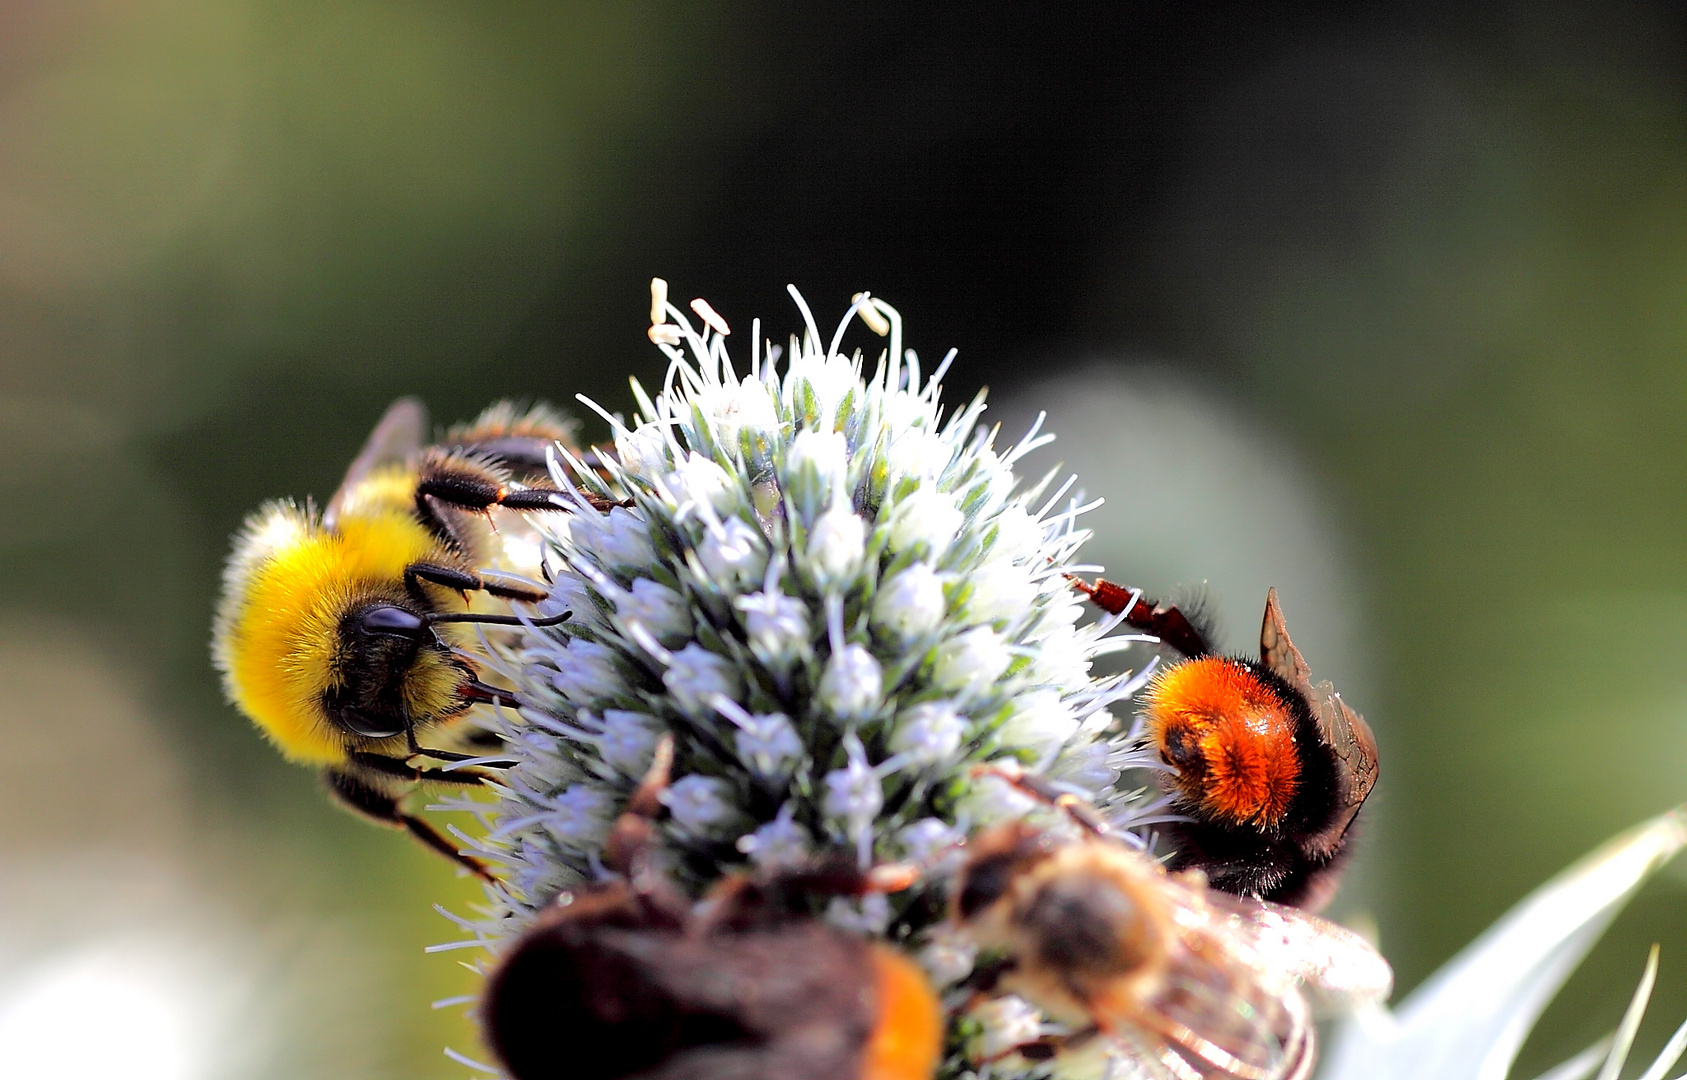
(1187, 981)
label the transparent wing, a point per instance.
(1347, 734)
(1339, 969)
(397, 437)
(1339, 727)
(1278, 653)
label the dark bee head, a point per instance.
(999, 856)
(390, 671)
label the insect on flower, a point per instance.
(629, 978)
(338, 633)
(1270, 770)
(1190, 983)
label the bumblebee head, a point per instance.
(318, 642)
(1000, 856)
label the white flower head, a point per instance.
(786, 519)
(829, 590)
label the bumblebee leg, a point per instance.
(463, 581)
(403, 770)
(473, 489)
(467, 488)
(452, 755)
(1164, 621)
(380, 807)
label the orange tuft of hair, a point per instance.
(908, 1036)
(1230, 736)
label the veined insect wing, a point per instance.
(1278, 653)
(397, 437)
(1339, 970)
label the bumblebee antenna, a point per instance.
(493, 620)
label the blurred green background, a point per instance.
(1401, 288)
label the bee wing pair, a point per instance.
(505, 435)
(1340, 728)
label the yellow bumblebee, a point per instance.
(339, 634)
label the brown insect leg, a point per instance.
(384, 809)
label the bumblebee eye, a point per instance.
(368, 725)
(387, 619)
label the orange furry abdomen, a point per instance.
(1231, 738)
(908, 1037)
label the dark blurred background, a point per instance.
(1397, 289)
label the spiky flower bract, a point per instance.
(836, 598)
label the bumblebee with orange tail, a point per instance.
(627, 978)
(1269, 769)
(339, 633)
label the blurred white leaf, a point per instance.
(1468, 1020)
(1582, 1065)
